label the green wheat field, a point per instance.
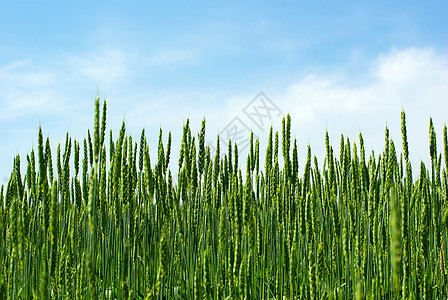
(102, 219)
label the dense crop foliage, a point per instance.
(91, 222)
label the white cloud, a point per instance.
(26, 89)
(407, 77)
(42, 88)
(16, 74)
(411, 79)
(104, 68)
(400, 67)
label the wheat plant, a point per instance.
(104, 220)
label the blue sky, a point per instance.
(344, 66)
